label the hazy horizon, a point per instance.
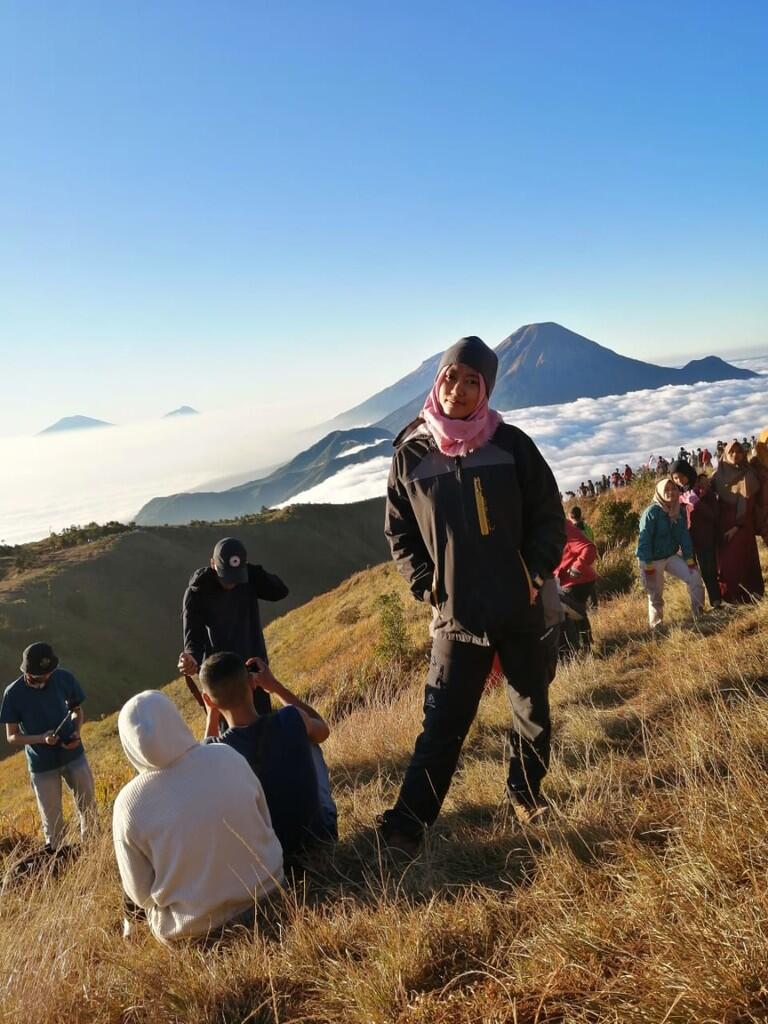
(68, 478)
(306, 417)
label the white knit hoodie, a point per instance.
(192, 832)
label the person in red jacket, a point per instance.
(576, 576)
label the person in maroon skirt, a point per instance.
(736, 485)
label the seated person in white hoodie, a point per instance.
(193, 836)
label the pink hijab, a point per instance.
(459, 437)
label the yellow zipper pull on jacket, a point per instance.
(482, 508)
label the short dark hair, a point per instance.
(224, 678)
(575, 512)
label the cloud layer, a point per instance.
(592, 436)
(57, 480)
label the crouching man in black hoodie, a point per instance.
(221, 611)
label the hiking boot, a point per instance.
(396, 842)
(531, 813)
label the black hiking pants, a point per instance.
(455, 681)
(707, 560)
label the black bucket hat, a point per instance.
(38, 659)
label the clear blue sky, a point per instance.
(234, 200)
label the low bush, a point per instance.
(394, 644)
(616, 522)
(616, 572)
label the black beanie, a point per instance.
(473, 352)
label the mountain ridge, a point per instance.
(111, 608)
(332, 453)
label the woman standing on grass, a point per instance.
(700, 505)
(737, 486)
(664, 545)
(475, 523)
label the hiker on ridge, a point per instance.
(576, 517)
(664, 545)
(700, 506)
(283, 748)
(577, 578)
(474, 523)
(42, 711)
(221, 611)
(737, 486)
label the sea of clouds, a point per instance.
(57, 480)
(591, 436)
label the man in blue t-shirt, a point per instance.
(282, 748)
(42, 711)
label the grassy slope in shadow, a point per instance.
(643, 900)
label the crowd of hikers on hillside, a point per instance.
(659, 466)
(208, 827)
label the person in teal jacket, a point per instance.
(665, 545)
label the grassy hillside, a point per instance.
(112, 607)
(643, 901)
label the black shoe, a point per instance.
(396, 841)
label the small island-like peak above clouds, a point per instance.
(74, 423)
(183, 410)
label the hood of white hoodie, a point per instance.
(153, 733)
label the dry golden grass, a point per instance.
(643, 901)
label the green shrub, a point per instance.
(393, 643)
(616, 571)
(72, 536)
(617, 523)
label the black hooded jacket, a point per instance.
(469, 533)
(215, 619)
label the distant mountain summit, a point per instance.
(75, 423)
(546, 364)
(183, 410)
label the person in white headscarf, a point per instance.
(665, 546)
